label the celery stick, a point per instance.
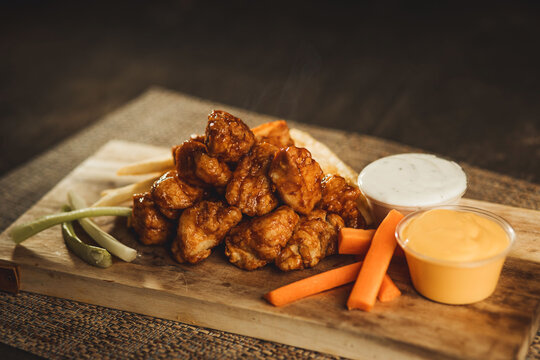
(104, 239)
(93, 255)
(22, 232)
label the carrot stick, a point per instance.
(370, 277)
(354, 241)
(388, 291)
(357, 241)
(316, 284)
(313, 284)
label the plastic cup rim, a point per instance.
(445, 202)
(462, 264)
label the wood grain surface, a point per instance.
(216, 294)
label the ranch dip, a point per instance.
(412, 180)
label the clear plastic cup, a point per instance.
(380, 209)
(455, 282)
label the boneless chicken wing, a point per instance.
(314, 238)
(201, 228)
(198, 168)
(297, 178)
(250, 188)
(258, 241)
(150, 224)
(171, 194)
(341, 198)
(212, 171)
(184, 161)
(232, 171)
(227, 137)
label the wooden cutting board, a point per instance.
(217, 295)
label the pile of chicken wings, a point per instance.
(253, 190)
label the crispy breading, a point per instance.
(198, 168)
(150, 224)
(314, 238)
(250, 188)
(232, 170)
(297, 178)
(201, 228)
(341, 198)
(172, 194)
(227, 137)
(258, 241)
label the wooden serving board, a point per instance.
(218, 295)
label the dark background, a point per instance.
(458, 79)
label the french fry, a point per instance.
(112, 197)
(331, 164)
(158, 164)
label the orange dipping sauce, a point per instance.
(455, 253)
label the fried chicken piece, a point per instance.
(152, 227)
(227, 137)
(297, 178)
(212, 171)
(201, 228)
(198, 168)
(258, 241)
(250, 188)
(341, 198)
(184, 161)
(192, 137)
(314, 238)
(171, 194)
(275, 133)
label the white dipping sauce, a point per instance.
(413, 180)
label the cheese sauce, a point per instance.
(413, 180)
(450, 235)
(455, 253)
